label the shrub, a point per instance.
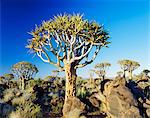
(28, 110)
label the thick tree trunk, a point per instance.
(70, 81)
(103, 77)
(130, 74)
(23, 83)
(70, 87)
(124, 74)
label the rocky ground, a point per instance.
(117, 98)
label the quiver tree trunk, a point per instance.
(130, 74)
(22, 83)
(124, 74)
(103, 77)
(70, 81)
(70, 94)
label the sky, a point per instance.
(128, 22)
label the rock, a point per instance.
(148, 112)
(147, 107)
(98, 100)
(116, 101)
(120, 101)
(75, 113)
(73, 108)
(5, 110)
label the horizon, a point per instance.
(126, 21)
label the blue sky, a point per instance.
(128, 22)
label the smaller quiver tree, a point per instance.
(119, 74)
(146, 72)
(8, 78)
(55, 73)
(2, 78)
(24, 71)
(100, 69)
(129, 66)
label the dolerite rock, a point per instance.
(148, 112)
(5, 109)
(147, 107)
(120, 101)
(74, 108)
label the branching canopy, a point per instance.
(146, 71)
(55, 73)
(128, 65)
(24, 70)
(69, 38)
(100, 68)
(119, 73)
(8, 77)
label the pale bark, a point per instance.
(71, 76)
(130, 74)
(23, 83)
(70, 81)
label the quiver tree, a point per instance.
(24, 71)
(100, 69)
(55, 73)
(129, 66)
(70, 39)
(146, 72)
(119, 74)
(2, 79)
(8, 78)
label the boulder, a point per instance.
(116, 101)
(120, 100)
(148, 112)
(5, 109)
(146, 105)
(73, 108)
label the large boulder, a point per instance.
(116, 101)
(146, 105)
(120, 100)
(73, 108)
(5, 109)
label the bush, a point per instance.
(28, 110)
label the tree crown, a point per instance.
(102, 65)
(69, 38)
(128, 65)
(146, 71)
(24, 69)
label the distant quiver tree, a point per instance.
(100, 69)
(129, 66)
(24, 71)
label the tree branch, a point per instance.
(90, 61)
(48, 60)
(83, 54)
